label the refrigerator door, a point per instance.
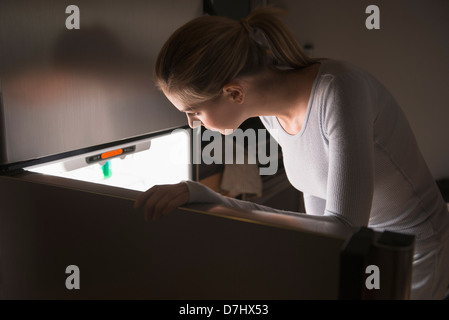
(68, 89)
(197, 252)
(201, 251)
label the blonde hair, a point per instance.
(205, 54)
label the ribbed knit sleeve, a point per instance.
(314, 205)
(200, 193)
(347, 127)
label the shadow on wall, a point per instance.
(95, 48)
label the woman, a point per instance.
(346, 143)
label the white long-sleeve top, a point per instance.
(358, 163)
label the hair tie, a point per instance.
(258, 36)
(246, 25)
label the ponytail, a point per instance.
(205, 54)
(269, 31)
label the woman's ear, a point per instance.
(234, 92)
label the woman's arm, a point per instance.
(314, 205)
(199, 193)
(347, 125)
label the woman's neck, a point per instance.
(284, 94)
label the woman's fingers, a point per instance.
(162, 199)
(157, 201)
(172, 204)
(143, 197)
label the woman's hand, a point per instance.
(162, 199)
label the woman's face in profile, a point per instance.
(223, 114)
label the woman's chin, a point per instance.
(227, 132)
(222, 131)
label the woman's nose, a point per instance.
(193, 122)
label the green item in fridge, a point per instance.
(107, 172)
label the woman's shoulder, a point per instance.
(342, 76)
(341, 68)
